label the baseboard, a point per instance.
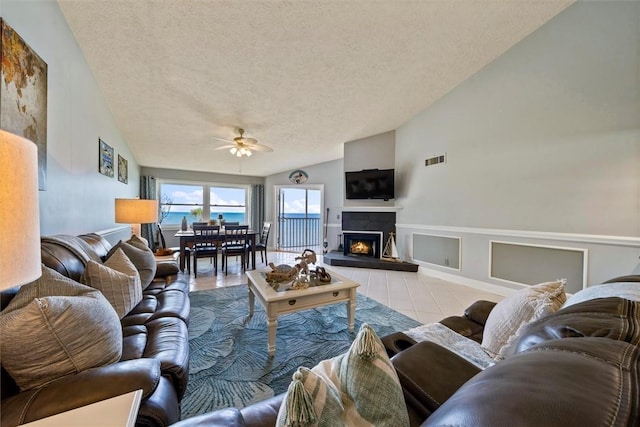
(472, 283)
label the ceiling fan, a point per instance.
(241, 146)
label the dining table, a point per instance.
(187, 239)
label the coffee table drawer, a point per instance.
(312, 300)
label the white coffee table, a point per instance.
(276, 303)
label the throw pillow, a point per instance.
(142, 258)
(138, 242)
(516, 311)
(117, 279)
(49, 283)
(55, 336)
(626, 290)
(357, 388)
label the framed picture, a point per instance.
(123, 169)
(23, 94)
(105, 158)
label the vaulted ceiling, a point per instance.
(302, 77)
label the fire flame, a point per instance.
(360, 248)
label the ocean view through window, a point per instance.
(202, 202)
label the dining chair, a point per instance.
(261, 245)
(235, 244)
(206, 241)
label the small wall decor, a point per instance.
(23, 94)
(123, 169)
(298, 176)
(105, 158)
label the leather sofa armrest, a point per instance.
(259, 414)
(429, 374)
(228, 417)
(84, 388)
(263, 413)
(471, 324)
(630, 278)
(396, 342)
(479, 311)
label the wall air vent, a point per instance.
(442, 158)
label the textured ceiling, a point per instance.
(302, 77)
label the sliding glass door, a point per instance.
(299, 218)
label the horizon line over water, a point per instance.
(176, 217)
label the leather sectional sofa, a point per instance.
(155, 351)
(579, 366)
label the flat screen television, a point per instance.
(370, 184)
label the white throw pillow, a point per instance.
(517, 310)
(626, 290)
(358, 388)
(117, 279)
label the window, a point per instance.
(202, 202)
(228, 203)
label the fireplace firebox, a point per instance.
(362, 244)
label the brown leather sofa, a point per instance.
(577, 367)
(155, 356)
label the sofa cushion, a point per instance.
(359, 387)
(628, 290)
(613, 318)
(572, 382)
(518, 309)
(141, 257)
(117, 279)
(58, 335)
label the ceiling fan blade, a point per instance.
(226, 146)
(259, 147)
(222, 139)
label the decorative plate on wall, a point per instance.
(298, 176)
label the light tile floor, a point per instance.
(423, 298)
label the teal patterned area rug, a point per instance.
(229, 364)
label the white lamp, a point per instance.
(136, 212)
(19, 211)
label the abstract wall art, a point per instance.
(23, 94)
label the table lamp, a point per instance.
(19, 211)
(136, 212)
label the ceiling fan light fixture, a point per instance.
(241, 146)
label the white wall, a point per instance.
(543, 142)
(194, 176)
(372, 152)
(77, 199)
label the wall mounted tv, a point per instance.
(370, 184)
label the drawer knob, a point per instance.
(335, 294)
(292, 302)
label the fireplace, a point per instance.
(362, 243)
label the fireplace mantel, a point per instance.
(371, 208)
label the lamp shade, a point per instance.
(136, 211)
(19, 211)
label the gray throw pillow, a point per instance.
(58, 335)
(50, 283)
(117, 279)
(141, 257)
